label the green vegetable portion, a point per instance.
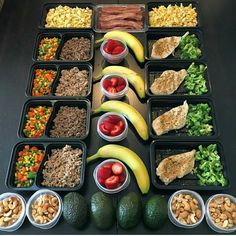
(198, 121)
(189, 47)
(209, 170)
(195, 82)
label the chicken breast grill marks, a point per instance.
(171, 120)
(163, 47)
(168, 82)
(176, 166)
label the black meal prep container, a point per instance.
(97, 13)
(55, 104)
(48, 6)
(154, 68)
(63, 36)
(152, 37)
(159, 150)
(47, 147)
(58, 67)
(151, 5)
(158, 106)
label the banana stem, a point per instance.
(99, 40)
(92, 158)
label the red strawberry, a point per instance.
(101, 181)
(121, 81)
(110, 45)
(122, 177)
(121, 124)
(114, 119)
(106, 83)
(104, 173)
(109, 126)
(103, 129)
(116, 131)
(117, 50)
(108, 165)
(114, 81)
(111, 90)
(120, 88)
(112, 182)
(117, 168)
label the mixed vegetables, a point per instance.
(209, 170)
(199, 119)
(27, 165)
(42, 82)
(189, 47)
(195, 82)
(36, 120)
(47, 48)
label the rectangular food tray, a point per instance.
(158, 106)
(99, 6)
(151, 38)
(63, 36)
(55, 104)
(151, 5)
(162, 149)
(58, 67)
(48, 6)
(47, 147)
(154, 68)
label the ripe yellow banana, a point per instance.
(129, 112)
(134, 78)
(130, 158)
(130, 40)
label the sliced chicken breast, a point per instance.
(163, 47)
(171, 120)
(168, 82)
(176, 166)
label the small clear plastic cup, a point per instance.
(117, 58)
(171, 215)
(118, 95)
(111, 191)
(21, 218)
(108, 138)
(209, 220)
(33, 198)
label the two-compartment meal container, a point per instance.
(47, 147)
(58, 67)
(63, 37)
(159, 150)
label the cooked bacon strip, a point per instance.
(122, 16)
(121, 23)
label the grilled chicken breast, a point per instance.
(171, 120)
(163, 47)
(168, 82)
(176, 166)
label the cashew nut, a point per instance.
(8, 213)
(39, 219)
(230, 207)
(192, 218)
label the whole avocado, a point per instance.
(102, 211)
(155, 212)
(75, 209)
(129, 211)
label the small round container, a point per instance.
(118, 95)
(117, 58)
(111, 191)
(21, 219)
(108, 138)
(33, 198)
(209, 220)
(172, 216)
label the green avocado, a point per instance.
(129, 211)
(75, 209)
(155, 212)
(102, 211)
